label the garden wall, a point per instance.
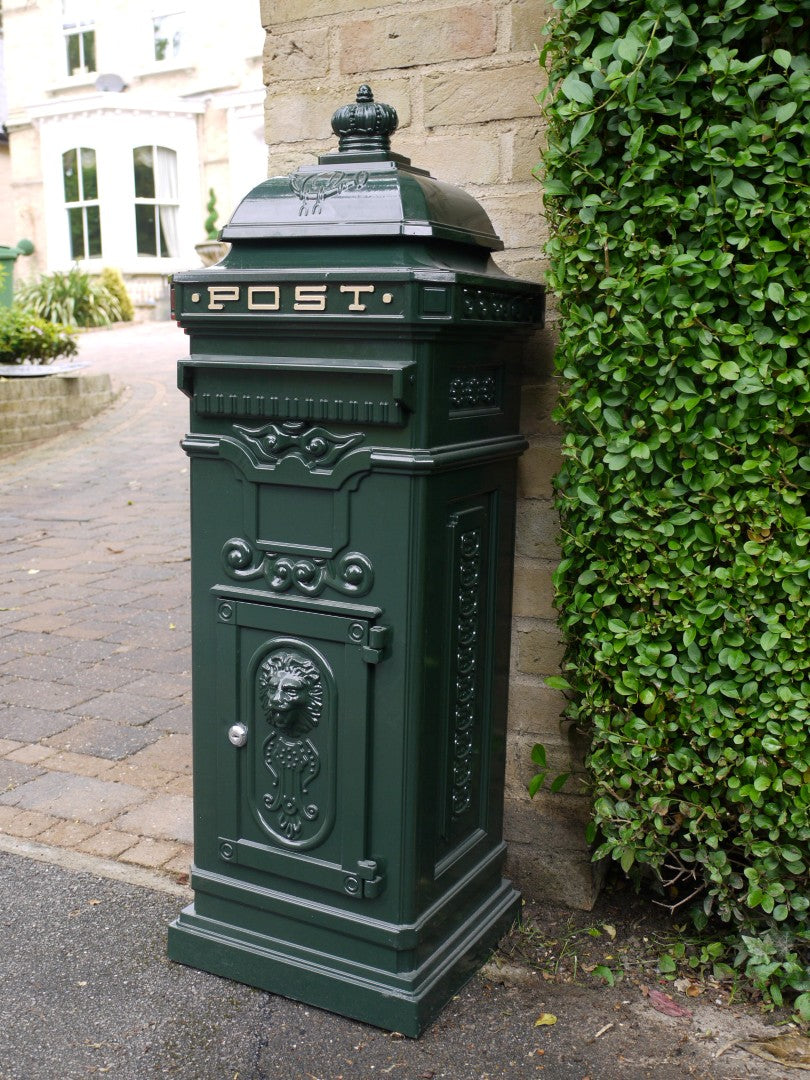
(463, 78)
(35, 407)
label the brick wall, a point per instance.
(463, 78)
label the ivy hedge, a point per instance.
(677, 185)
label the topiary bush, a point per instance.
(677, 189)
(26, 338)
(72, 297)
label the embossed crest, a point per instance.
(313, 188)
(291, 695)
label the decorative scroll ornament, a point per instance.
(468, 604)
(313, 188)
(352, 574)
(315, 447)
(291, 697)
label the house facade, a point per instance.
(121, 119)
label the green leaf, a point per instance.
(744, 189)
(781, 57)
(557, 682)
(577, 90)
(581, 128)
(609, 22)
(730, 370)
(802, 1007)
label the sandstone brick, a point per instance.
(29, 823)
(303, 54)
(538, 528)
(171, 753)
(565, 753)
(567, 877)
(534, 708)
(537, 401)
(109, 843)
(518, 218)
(79, 764)
(181, 863)
(537, 466)
(540, 650)
(7, 746)
(423, 37)
(168, 817)
(528, 19)
(474, 97)
(151, 853)
(274, 12)
(307, 113)
(533, 592)
(456, 159)
(528, 141)
(67, 834)
(31, 755)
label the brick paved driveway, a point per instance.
(95, 717)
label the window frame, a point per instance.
(158, 201)
(83, 29)
(83, 203)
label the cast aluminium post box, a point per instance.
(354, 378)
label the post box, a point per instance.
(353, 380)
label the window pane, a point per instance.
(167, 219)
(71, 176)
(144, 172)
(89, 42)
(76, 223)
(168, 33)
(74, 61)
(93, 231)
(145, 229)
(89, 177)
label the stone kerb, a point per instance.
(464, 79)
(33, 408)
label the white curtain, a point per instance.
(166, 195)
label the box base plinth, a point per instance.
(405, 1002)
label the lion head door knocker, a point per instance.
(291, 697)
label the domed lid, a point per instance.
(362, 190)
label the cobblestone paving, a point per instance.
(95, 718)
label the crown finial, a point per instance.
(365, 126)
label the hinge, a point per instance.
(368, 872)
(378, 640)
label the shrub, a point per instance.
(676, 182)
(112, 280)
(25, 337)
(72, 297)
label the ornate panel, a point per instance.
(468, 704)
(292, 743)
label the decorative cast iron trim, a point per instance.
(315, 447)
(352, 574)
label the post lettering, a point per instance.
(255, 305)
(219, 295)
(310, 298)
(357, 289)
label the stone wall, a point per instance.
(463, 78)
(35, 407)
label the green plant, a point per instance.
(676, 186)
(210, 223)
(72, 297)
(26, 338)
(113, 282)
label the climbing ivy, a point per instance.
(677, 186)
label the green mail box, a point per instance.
(354, 380)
